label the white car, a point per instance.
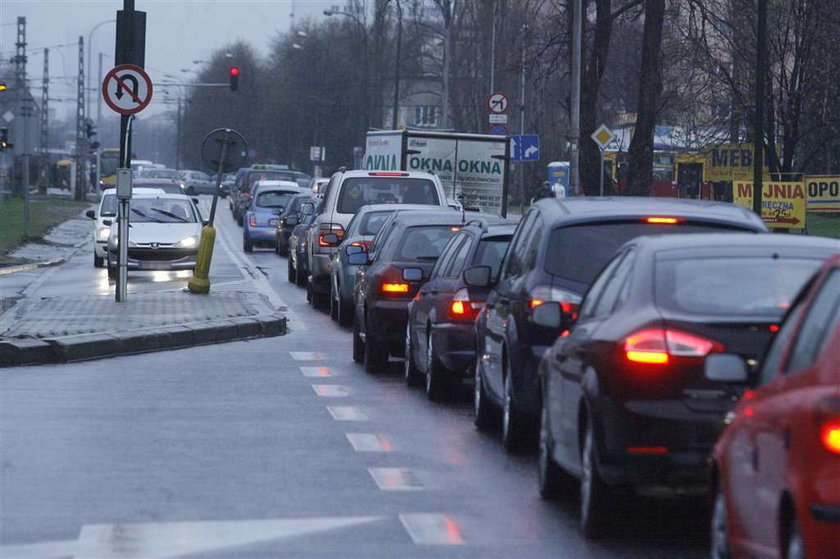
(103, 216)
(164, 230)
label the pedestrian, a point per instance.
(545, 191)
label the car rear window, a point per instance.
(491, 252)
(255, 176)
(424, 242)
(360, 191)
(731, 285)
(578, 252)
(273, 199)
(372, 222)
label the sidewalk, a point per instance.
(68, 313)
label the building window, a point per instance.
(426, 115)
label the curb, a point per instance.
(84, 347)
(29, 267)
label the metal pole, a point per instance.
(99, 96)
(21, 91)
(219, 172)
(760, 80)
(521, 164)
(81, 189)
(574, 121)
(493, 51)
(397, 67)
(178, 135)
(26, 111)
(601, 175)
(45, 131)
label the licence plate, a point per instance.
(154, 265)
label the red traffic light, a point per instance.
(234, 70)
(234, 78)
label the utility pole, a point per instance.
(99, 96)
(45, 125)
(521, 164)
(81, 139)
(21, 92)
(178, 135)
(574, 121)
(758, 124)
(493, 51)
(397, 67)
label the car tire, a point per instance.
(112, 271)
(413, 376)
(376, 356)
(553, 482)
(594, 493)
(515, 425)
(247, 245)
(98, 261)
(240, 220)
(438, 383)
(720, 526)
(334, 304)
(486, 414)
(345, 313)
(290, 272)
(795, 548)
(300, 277)
(358, 346)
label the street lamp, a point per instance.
(90, 47)
(182, 86)
(364, 58)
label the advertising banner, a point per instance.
(823, 193)
(782, 203)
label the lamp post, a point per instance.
(178, 121)
(90, 48)
(397, 67)
(364, 59)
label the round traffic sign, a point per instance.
(127, 89)
(497, 103)
(225, 146)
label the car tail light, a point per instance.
(326, 228)
(647, 450)
(364, 244)
(662, 220)
(569, 301)
(387, 174)
(392, 283)
(461, 308)
(252, 220)
(828, 414)
(658, 345)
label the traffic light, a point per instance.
(4, 139)
(234, 78)
(90, 128)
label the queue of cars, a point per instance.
(625, 340)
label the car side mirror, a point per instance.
(353, 249)
(307, 208)
(552, 315)
(412, 274)
(107, 222)
(726, 367)
(330, 239)
(91, 214)
(478, 276)
(358, 259)
(195, 201)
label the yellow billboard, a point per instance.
(782, 203)
(729, 162)
(823, 193)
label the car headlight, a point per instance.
(103, 233)
(189, 242)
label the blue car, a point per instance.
(260, 223)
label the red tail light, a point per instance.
(392, 283)
(387, 174)
(569, 302)
(395, 287)
(661, 220)
(828, 413)
(252, 220)
(364, 244)
(326, 228)
(461, 308)
(658, 345)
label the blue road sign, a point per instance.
(498, 130)
(525, 147)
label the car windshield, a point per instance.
(740, 286)
(424, 242)
(360, 191)
(273, 199)
(599, 242)
(491, 252)
(161, 210)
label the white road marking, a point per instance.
(331, 390)
(307, 355)
(395, 479)
(432, 529)
(347, 413)
(316, 371)
(369, 442)
(176, 539)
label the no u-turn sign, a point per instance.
(127, 89)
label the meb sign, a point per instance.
(782, 203)
(729, 162)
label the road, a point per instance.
(279, 447)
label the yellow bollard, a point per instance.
(200, 280)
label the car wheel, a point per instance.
(515, 425)
(358, 346)
(412, 373)
(300, 277)
(345, 313)
(247, 245)
(290, 272)
(437, 385)
(240, 220)
(112, 271)
(719, 526)
(795, 545)
(334, 304)
(376, 356)
(486, 414)
(594, 493)
(552, 479)
(98, 261)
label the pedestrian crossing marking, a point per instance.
(307, 355)
(347, 413)
(331, 390)
(395, 479)
(369, 442)
(432, 529)
(316, 371)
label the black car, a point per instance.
(558, 248)
(440, 337)
(625, 402)
(287, 221)
(297, 270)
(401, 257)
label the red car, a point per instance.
(776, 466)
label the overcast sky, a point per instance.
(177, 33)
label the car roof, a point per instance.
(112, 191)
(276, 182)
(390, 174)
(398, 207)
(587, 209)
(166, 195)
(444, 216)
(685, 244)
